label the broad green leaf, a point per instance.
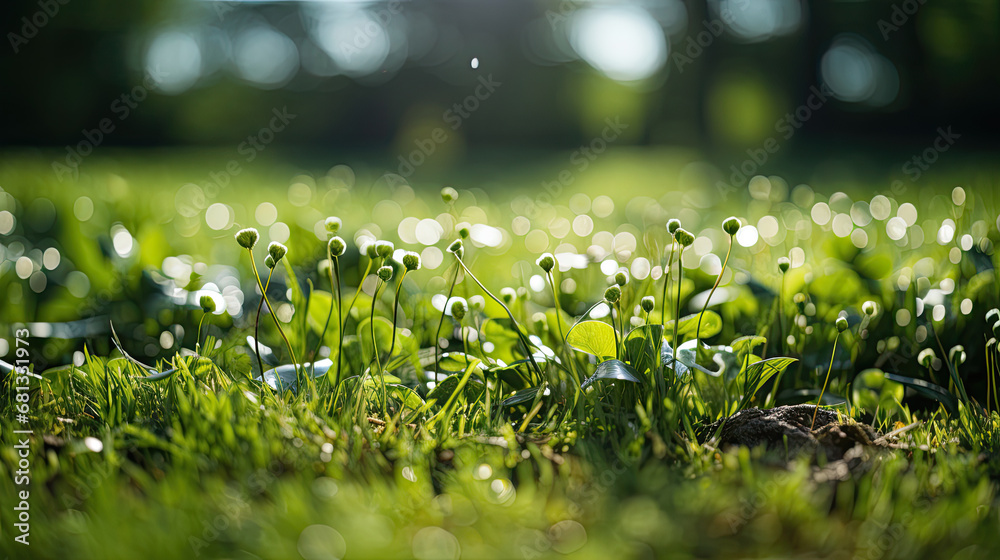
(746, 344)
(408, 397)
(929, 390)
(522, 396)
(613, 369)
(711, 325)
(593, 337)
(760, 372)
(442, 391)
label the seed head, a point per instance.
(996, 329)
(247, 238)
(383, 248)
(449, 195)
(477, 303)
(731, 225)
(385, 273)
(783, 264)
(508, 295)
(648, 303)
(684, 237)
(842, 324)
(463, 233)
(621, 278)
(337, 246)
(458, 309)
(269, 261)
(613, 294)
(672, 225)
(926, 357)
(333, 224)
(411, 261)
(370, 250)
(277, 251)
(869, 308)
(207, 304)
(546, 262)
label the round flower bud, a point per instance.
(477, 303)
(546, 262)
(449, 195)
(522, 293)
(383, 248)
(869, 308)
(333, 224)
(648, 303)
(207, 304)
(385, 273)
(926, 357)
(323, 267)
(247, 238)
(508, 295)
(731, 225)
(612, 294)
(463, 233)
(957, 354)
(458, 309)
(672, 225)
(276, 250)
(996, 329)
(337, 246)
(783, 264)
(621, 278)
(538, 321)
(370, 250)
(269, 261)
(684, 237)
(411, 261)
(841, 324)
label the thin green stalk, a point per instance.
(677, 308)
(356, 294)
(395, 308)
(697, 333)
(378, 363)
(277, 323)
(197, 343)
(517, 326)
(825, 381)
(666, 284)
(437, 345)
(329, 315)
(340, 314)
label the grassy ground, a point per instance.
(180, 452)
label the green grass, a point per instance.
(584, 446)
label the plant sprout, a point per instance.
(672, 226)
(208, 307)
(731, 225)
(841, 327)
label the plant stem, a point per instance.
(340, 314)
(666, 283)
(697, 333)
(256, 323)
(677, 309)
(395, 308)
(198, 340)
(517, 326)
(329, 315)
(378, 363)
(823, 390)
(277, 323)
(437, 345)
